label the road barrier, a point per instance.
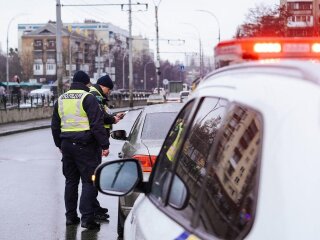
(16, 108)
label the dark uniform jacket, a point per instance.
(96, 134)
(108, 118)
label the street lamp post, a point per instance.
(99, 60)
(145, 75)
(215, 17)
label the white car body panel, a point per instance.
(288, 197)
(139, 224)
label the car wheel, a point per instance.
(121, 219)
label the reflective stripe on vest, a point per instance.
(93, 89)
(173, 148)
(70, 108)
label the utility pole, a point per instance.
(130, 58)
(59, 47)
(70, 57)
(99, 62)
(158, 54)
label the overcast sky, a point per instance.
(178, 19)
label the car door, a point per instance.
(160, 202)
(207, 186)
(128, 147)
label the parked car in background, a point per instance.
(173, 97)
(143, 143)
(45, 90)
(155, 99)
(241, 160)
(184, 95)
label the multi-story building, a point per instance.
(110, 42)
(38, 52)
(305, 17)
(106, 36)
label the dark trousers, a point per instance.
(79, 162)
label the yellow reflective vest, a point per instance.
(71, 112)
(93, 89)
(173, 148)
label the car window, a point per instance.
(156, 125)
(218, 163)
(193, 158)
(167, 152)
(228, 200)
(128, 121)
(135, 128)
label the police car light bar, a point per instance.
(267, 47)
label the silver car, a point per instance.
(144, 143)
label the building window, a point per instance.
(50, 67)
(37, 43)
(51, 43)
(37, 67)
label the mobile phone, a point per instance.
(123, 114)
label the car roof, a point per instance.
(307, 70)
(165, 107)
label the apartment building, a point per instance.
(305, 17)
(89, 35)
(38, 51)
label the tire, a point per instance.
(121, 219)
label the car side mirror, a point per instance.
(179, 194)
(118, 178)
(119, 135)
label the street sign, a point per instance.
(165, 82)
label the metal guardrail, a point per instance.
(13, 101)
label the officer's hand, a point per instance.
(116, 119)
(120, 115)
(105, 152)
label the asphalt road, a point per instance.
(32, 185)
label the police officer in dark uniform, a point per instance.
(77, 129)
(101, 90)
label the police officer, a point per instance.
(101, 90)
(77, 129)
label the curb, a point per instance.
(23, 130)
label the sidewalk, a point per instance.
(18, 127)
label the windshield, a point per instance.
(156, 125)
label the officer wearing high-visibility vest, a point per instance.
(175, 136)
(101, 90)
(77, 130)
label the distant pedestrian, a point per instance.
(2, 90)
(77, 129)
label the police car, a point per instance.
(243, 163)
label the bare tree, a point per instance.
(264, 21)
(26, 60)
